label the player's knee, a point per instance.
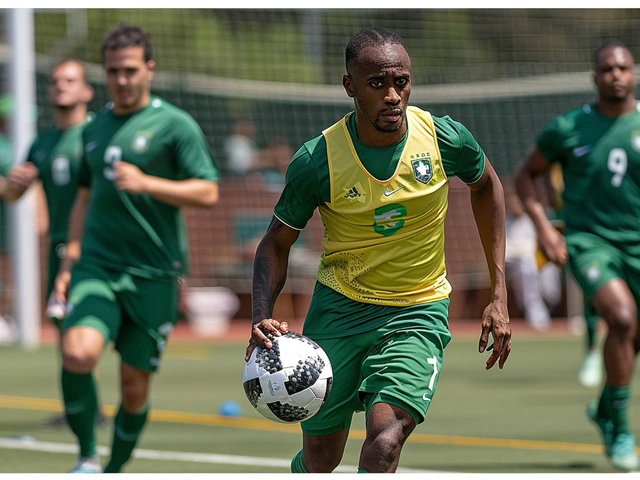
(77, 359)
(622, 320)
(134, 395)
(385, 445)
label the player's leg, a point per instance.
(320, 453)
(388, 428)
(600, 269)
(93, 317)
(401, 375)
(131, 417)
(56, 252)
(590, 374)
(149, 314)
(616, 305)
(325, 434)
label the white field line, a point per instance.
(54, 447)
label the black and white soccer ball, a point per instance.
(290, 381)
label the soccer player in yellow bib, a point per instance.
(379, 178)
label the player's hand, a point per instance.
(553, 246)
(61, 285)
(129, 178)
(495, 320)
(259, 333)
(21, 176)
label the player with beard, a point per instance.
(379, 178)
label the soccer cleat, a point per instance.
(623, 452)
(604, 424)
(101, 420)
(590, 374)
(87, 465)
(57, 421)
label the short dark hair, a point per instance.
(606, 45)
(78, 62)
(371, 37)
(126, 35)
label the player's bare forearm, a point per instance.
(193, 192)
(487, 201)
(270, 268)
(269, 276)
(533, 167)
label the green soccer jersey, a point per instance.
(137, 233)
(332, 314)
(57, 154)
(600, 158)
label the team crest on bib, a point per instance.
(635, 140)
(422, 170)
(141, 141)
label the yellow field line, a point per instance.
(170, 416)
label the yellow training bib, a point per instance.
(384, 240)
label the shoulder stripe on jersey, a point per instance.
(290, 226)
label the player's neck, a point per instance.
(617, 109)
(127, 110)
(65, 119)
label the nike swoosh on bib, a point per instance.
(388, 193)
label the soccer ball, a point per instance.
(290, 381)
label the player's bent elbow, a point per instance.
(210, 197)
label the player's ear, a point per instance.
(151, 65)
(89, 92)
(347, 83)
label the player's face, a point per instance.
(380, 83)
(614, 76)
(128, 78)
(67, 86)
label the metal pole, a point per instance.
(22, 214)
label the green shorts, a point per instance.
(595, 262)
(398, 363)
(135, 313)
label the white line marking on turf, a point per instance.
(53, 447)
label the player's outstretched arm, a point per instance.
(74, 241)
(269, 276)
(551, 241)
(193, 192)
(487, 201)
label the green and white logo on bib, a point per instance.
(141, 141)
(422, 170)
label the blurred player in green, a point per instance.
(598, 147)
(590, 373)
(54, 160)
(379, 178)
(143, 159)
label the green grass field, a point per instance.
(528, 417)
